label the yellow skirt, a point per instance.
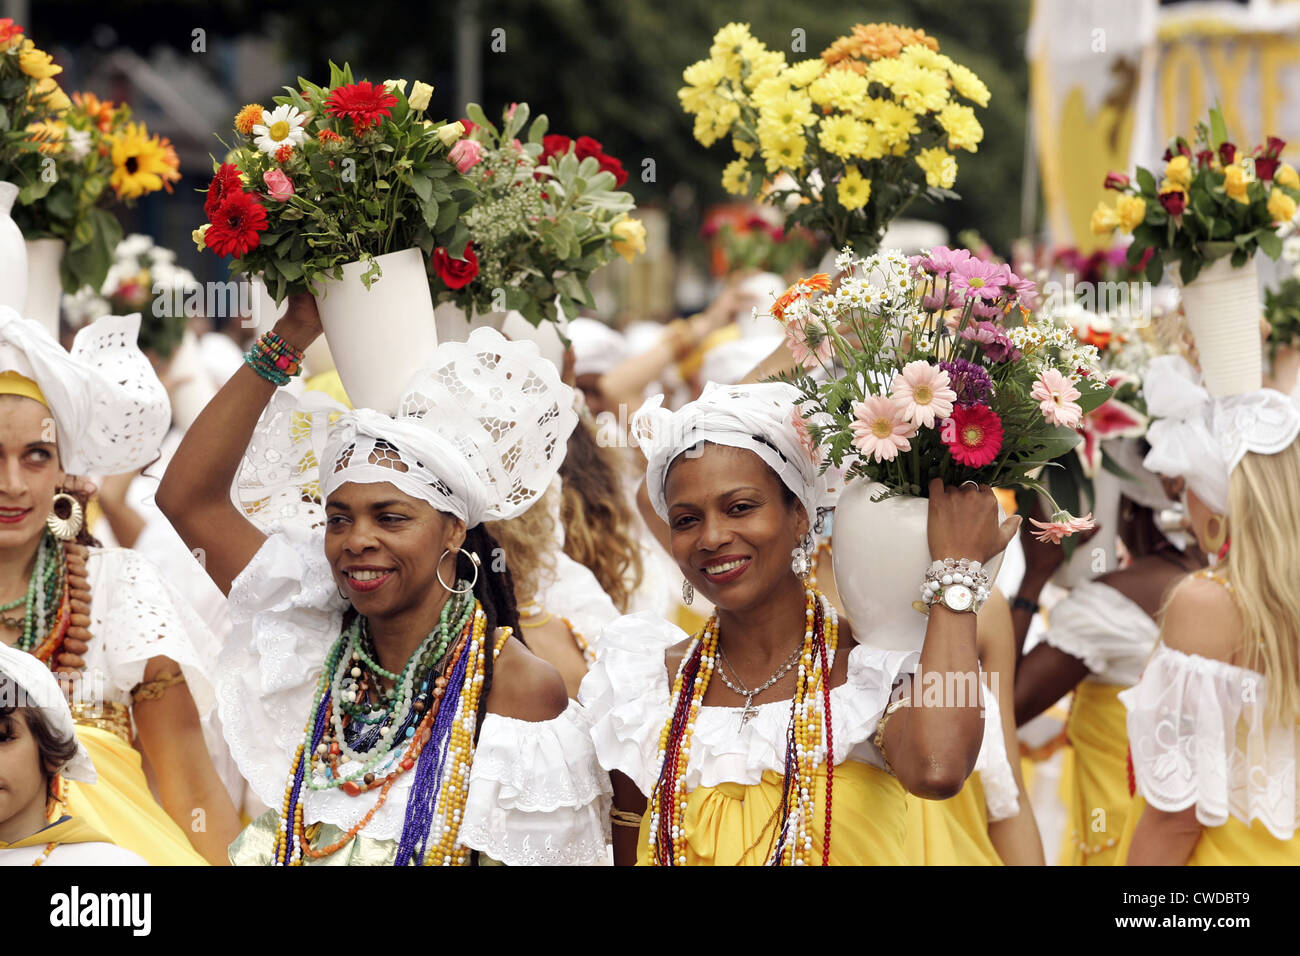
(953, 832)
(1233, 844)
(1094, 780)
(121, 805)
(734, 825)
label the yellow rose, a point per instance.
(198, 236)
(1236, 183)
(1131, 211)
(419, 98)
(1179, 170)
(629, 237)
(37, 63)
(448, 133)
(1104, 220)
(1286, 176)
(1280, 206)
(56, 101)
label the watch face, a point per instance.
(958, 597)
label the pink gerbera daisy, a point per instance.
(879, 432)
(1062, 525)
(977, 279)
(807, 341)
(1056, 398)
(973, 435)
(923, 393)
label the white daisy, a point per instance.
(284, 127)
(78, 143)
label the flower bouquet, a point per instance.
(926, 375)
(860, 132)
(1210, 213)
(749, 241)
(344, 190)
(547, 215)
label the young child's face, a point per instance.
(22, 778)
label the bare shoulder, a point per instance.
(673, 658)
(1202, 618)
(524, 686)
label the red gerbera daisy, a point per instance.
(365, 103)
(973, 435)
(225, 183)
(235, 227)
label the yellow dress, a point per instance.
(953, 832)
(1094, 781)
(734, 825)
(1200, 737)
(121, 805)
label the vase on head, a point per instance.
(13, 253)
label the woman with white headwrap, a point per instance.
(1097, 641)
(371, 690)
(700, 779)
(1212, 723)
(101, 410)
(38, 748)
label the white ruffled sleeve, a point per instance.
(1104, 629)
(626, 694)
(537, 796)
(285, 613)
(1197, 733)
(1001, 793)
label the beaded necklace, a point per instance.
(804, 750)
(434, 729)
(48, 611)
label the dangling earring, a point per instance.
(474, 562)
(1214, 544)
(65, 529)
(688, 592)
(800, 560)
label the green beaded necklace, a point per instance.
(43, 591)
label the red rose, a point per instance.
(1174, 201)
(1274, 147)
(1227, 153)
(469, 127)
(224, 183)
(611, 165)
(1204, 157)
(455, 273)
(1116, 181)
(586, 146)
(554, 145)
(1265, 167)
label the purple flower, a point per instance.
(970, 381)
(1020, 291)
(995, 342)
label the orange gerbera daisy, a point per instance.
(803, 289)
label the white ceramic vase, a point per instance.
(317, 360)
(1223, 309)
(381, 336)
(13, 253)
(44, 287)
(880, 552)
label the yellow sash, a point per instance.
(1094, 783)
(953, 832)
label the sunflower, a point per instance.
(141, 163)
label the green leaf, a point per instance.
(1092, 394)
(1218, 129)
(1270, 243)
(1146, 182)
(475, 114)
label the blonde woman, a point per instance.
(1212, 722)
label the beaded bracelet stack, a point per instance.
(274, 359)
(940, 574)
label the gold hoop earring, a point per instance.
(1214, 545)
(473, 559)
(65, 529)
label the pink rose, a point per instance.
(278, 184)
(466, 154)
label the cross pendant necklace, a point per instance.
(750, 710)
(745, 715)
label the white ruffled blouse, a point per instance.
(1197, 732)
(628, 695)
(1001, 794)
(536, 794)
(1108, 632)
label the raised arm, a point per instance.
(933, 748)
(195, 492)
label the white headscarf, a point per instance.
(596, 347)
(480, 432)
(759, 418)
(41, 690)
(109, 409)
(1201, 438)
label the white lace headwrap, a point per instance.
(1202, 438)
(480, 431)
(759, 418)
(596, 347)
(41, 690)
(110, 411)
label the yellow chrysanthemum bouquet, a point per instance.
(860, 131)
